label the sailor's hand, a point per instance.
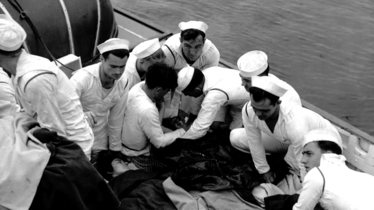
(269, 176)
(186, 126)
(91, 118)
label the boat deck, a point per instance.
(358, 145)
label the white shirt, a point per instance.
(109, 108)
(142, 125)
(45, 92)
(174, 56)
(293, 123)
(131, 73)
(8, 103)
(344, 188)
(222, 87)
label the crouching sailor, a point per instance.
(221, 92)
(142, 124)
(102, 89)
(329, 181)
(283, 121)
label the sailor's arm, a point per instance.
(255, 142)
(311, 191)
(209, 108)
(115, 123)
(151, 126)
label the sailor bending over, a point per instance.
(42, 89)
(142, 123)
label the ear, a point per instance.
(102, 58)
(180, 39)
(204, 40)
(279, 102)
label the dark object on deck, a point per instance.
(66, 27)
(138, 189)
(69, 181)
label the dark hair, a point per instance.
(266, 72)
(197, 78)
(156, 55)
(191, 34)
(161, 75)
(329, 146)
(121, 53)
(259, 95)
(11, 53)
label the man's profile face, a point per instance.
(264, 109)
(193, 48)
(157, 57)
(311, 156)
(246, 82)
(114, 66)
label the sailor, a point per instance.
(142, 124)
(221, 89)
(255, 63)
(282, 120)
(188, 48)
(329, 181)
(8, 103)
(191, 47)
(102, 89)
(141, 57)
(42, 89)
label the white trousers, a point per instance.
(240, 141)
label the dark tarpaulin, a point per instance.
(69, 181)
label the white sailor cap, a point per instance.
(113, 44)
(322, 135)
(184, 77)
(252, 63)
(198, 25)
(268, 84)
(12, 35)
(146, 48)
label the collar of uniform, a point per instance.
(93, 69)
(331, 158)
(28, 62)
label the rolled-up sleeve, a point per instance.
(209, 108)
(41, 92)
(255, 141)
(151, 126)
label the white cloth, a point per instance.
(142, 125)
(22, 162)
(174, 57)
(293, 123)
(130, 72)
(345, 189)
(109, 109)
(8, 103)
(45, 92)
(219, 82)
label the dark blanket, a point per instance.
(70, 181)
(141, 190)
(211, 163)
